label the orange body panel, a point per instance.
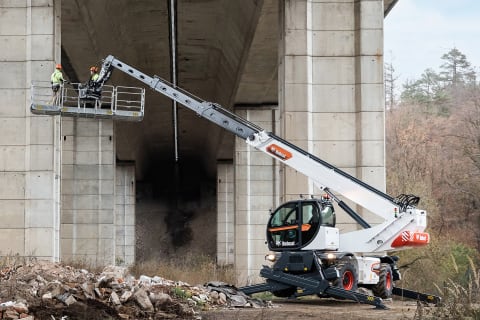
(411, 239)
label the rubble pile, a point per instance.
(46, 290)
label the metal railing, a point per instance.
(129, 98)
(42, 94)
(76, 99)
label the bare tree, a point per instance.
(390, 86)
(437, 157)
(467, 134)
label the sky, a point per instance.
(418, 32)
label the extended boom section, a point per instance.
(208, 110)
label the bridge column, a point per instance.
(29, 145)
(256, 190)
(225, 213)
(88, 219)
(331, 89)
(125, 187)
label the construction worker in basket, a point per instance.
(93, 74)
(93, 87)
(56, 80)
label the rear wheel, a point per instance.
(348, 279)
(384, 287)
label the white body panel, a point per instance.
(379, 238)
(365, 267)
(327, 238)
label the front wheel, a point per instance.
(384, 287)
(348, 279)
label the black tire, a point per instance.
(384, 287)
(348, 279)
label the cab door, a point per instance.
(293, 225)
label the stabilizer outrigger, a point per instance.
(289, 278)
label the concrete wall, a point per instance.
(225, 213)
(98, 195)
(256, 191)
(331, 89)
(88, 191)
(29, 145)
(125, 213)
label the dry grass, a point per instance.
(192, 269)
(446, 258)
(458, 301)
(84, 263)
(13, 260)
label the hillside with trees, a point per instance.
(433, 151)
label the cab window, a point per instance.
(311, 218)
(327, 215)
(282, 231)
(286, 215)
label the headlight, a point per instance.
(271, 257)
(331, 256)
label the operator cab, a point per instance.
(295, 224)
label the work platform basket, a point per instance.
(75, 100)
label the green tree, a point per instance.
(456, 70)
(427, 91)
(439, 92)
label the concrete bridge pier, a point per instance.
(257, 179)
(62, 194)
(29, 145)
(331, 90)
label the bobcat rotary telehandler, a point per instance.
(310, 256)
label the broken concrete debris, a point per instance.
(45, 290)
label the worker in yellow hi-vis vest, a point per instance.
(56, 80)
(93, 74)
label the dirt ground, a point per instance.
(280, 310)
(283, 309)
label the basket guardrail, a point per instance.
(78, 100)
